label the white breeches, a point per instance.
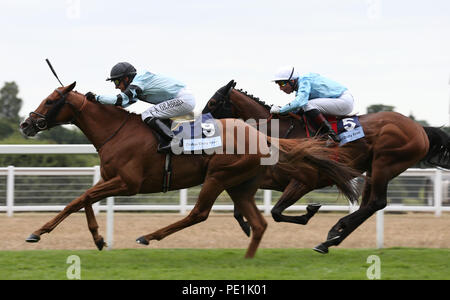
(182, 104)
(341, 106)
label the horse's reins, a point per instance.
(42, 122)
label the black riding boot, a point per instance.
(319, 121)
(162, 129)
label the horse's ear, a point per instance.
(70, 87)
(229, 87)
(231, 84)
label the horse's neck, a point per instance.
(100, 122)
(247, 108)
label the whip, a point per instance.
(53, 71)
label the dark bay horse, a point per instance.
(392, 144)
(130, 164)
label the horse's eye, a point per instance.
(49, 102)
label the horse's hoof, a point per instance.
(322, 249)
(100, 244)
(313, 207)
(142, 241)
(33, 238)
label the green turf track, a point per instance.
(227, 264)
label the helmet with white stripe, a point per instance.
(286, 73)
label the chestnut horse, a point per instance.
(130, 164)
(392, 144)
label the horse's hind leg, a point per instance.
(240, 219)
(337, 230)
(208, 194)
(374, 199)
(243, 198)
(377, 199)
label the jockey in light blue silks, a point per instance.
(171, 97)
(315, 95)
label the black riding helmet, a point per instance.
(121, 70)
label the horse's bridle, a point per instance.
(43, 122)
(224, 100)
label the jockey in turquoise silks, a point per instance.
(170, 97)
(315, 95)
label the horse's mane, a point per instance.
(256, 99)
(263, 104)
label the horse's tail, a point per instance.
(308, 159)
(439, 151)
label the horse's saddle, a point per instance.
(198, 136)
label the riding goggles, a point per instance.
(117, 81)
(282, 83)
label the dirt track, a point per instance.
(222, 231)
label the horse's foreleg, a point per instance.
(73, 206)
(208, 194)
(93, 227)
(293, 192)
(99, 191)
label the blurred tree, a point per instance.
(10, 104)
(6, 129)
(379, 107)
(421, 122)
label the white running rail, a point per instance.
(438, 190)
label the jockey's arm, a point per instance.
(301, 98)
(130, 96)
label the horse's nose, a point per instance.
(26, 127)
(24, 124)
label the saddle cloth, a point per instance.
(348, 128)
(201, 134)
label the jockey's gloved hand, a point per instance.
(275, 109)
(90, 96)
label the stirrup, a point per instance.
(164, 146)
